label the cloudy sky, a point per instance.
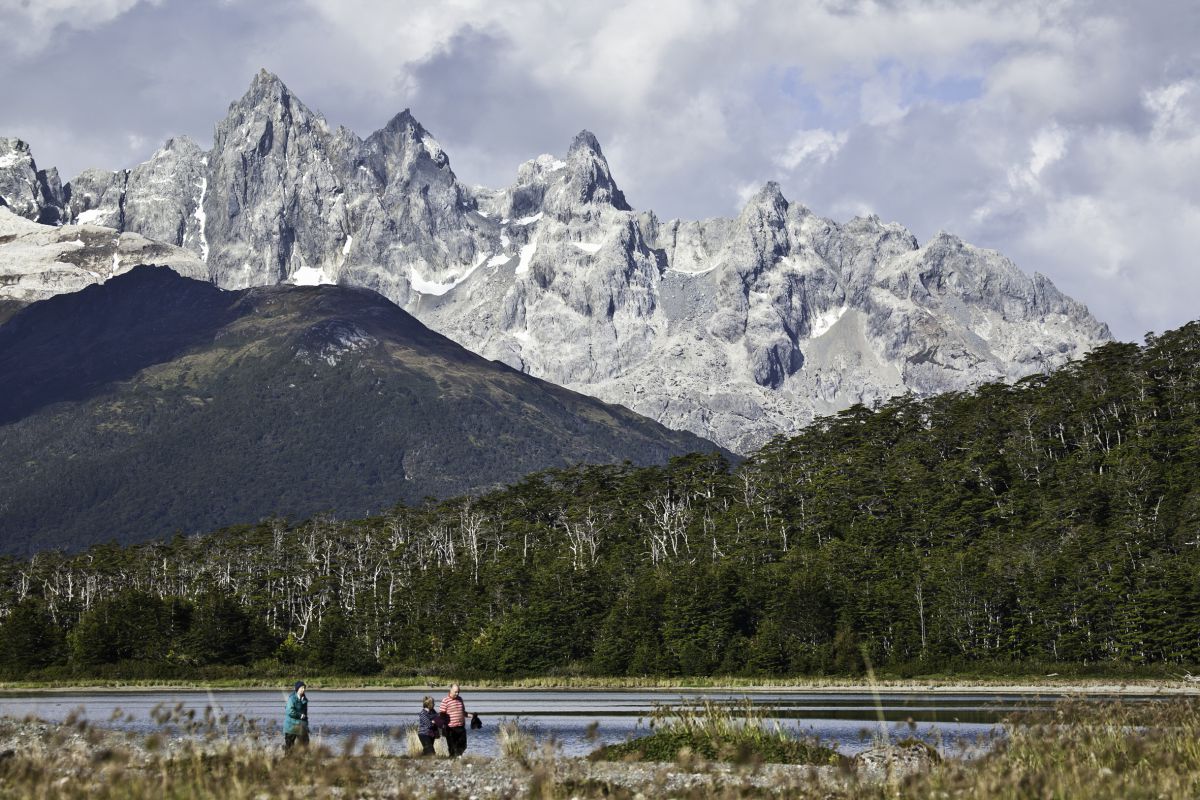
(1066, 135)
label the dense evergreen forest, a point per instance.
(1056, 521)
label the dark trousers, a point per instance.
(290, 739)
(456, 740)
(426, 744)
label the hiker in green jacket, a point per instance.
(295, 721)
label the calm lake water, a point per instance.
(576, 721)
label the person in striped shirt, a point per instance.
(455, 714)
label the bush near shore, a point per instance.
(741, 734)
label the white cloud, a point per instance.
(137, 143)
(813, 146)
(1127, 230)
(29, 25)
(1048, 146)
(1175, 109)
(745, 192)
(1024, 179)
(880, 99)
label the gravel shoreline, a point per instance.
(494, 778)
(81, 753)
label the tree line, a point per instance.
(1051, 522)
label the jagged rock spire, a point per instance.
(590, 180)
(402, 135)
(266, 86)
(24, 189)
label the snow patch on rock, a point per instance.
(432, 147)
(439, 288)
(826, 320)
(201, 220)
(310, 276)
(527, 252)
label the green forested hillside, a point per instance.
(153, 403)
(1055, 521)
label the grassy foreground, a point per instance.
(1111, 751)
(1077, 750)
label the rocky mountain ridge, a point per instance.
(735, 329)
(41, 261)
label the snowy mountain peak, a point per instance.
(733, 328)
(401, 121)
(588, 177)
(266, 106)
(265, 85)
(178, 144)
(12, 150)
(262, 98)
(768, 200)
(586, 140)
(404, 134)
(18, 178)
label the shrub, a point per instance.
(742, 733)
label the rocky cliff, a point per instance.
(743, 328)
(27, 191)
(40, 261)
(735, 329)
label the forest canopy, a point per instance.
(1054, 521)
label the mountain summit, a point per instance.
(735, 329)
(590, 180)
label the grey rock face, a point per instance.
(29, 192)
(274, 204)
(97, 197)
(18, 178)
(735, 329)
(291, 201)
(159, 199)
(162, 196)
(38, 261)
(574, 186)
(281, 198)
(415, 224)
(741, 329)
(53, 197)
